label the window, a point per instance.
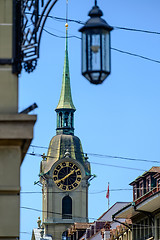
(66, 119)
(138, 230)
(67, 207)
(158, 228)
(134, 192)
(158, 184)
(65, 235)
(134, 231)
(146, 228)
(141, 189)
(148, 184)
(60, 119)
(71, 119)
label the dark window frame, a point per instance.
(67, 207)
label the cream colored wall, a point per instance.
(10, 152)
(6, 28)
(11, 179)
(9, 188)
(16, 132)
(8, 91)
(8, 81)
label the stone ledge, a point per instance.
(17, 126)
(9, 189)
(17, 130)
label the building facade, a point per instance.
(144, 211)
(101, 229)
(122, 231)
(16, 130)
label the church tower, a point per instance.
(64, 173)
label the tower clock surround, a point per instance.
(67, 175)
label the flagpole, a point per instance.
(108, 195)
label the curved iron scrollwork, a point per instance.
(30, 17)
(30, 65)
(30, 12)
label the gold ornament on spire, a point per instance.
(66, 25)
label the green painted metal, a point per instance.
(65, 101)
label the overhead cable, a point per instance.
(115, 49)
(44, 211)
(105, 155)
(115, 27)
(108, 165)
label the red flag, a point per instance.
(107, 194)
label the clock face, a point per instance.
(67, 176)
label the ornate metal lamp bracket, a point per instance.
(33, 19)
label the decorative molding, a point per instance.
(6, 61)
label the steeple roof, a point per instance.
(58, 146)
(65, 101)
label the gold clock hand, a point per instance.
(65, 177)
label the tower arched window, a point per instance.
(72, 119)
(67, 207)
(66, 116)
(60, 119)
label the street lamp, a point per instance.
(96, 64)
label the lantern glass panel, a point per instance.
(106, 51)
(94, 50)
(84, 64)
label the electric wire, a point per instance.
(112, 48)
(62, 19)
(36, 234)
(29, 233)
(92, 218)
(57, 213)
(118, 166)
(103, 164)
(55, 35)
(103, 155)
(136, 55)
(137, 30)
(98, 192)
(133, 224)
(116, 27)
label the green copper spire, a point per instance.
(65, 100)
(65, 109)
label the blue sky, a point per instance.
(121, 117)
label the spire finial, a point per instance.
(66, 25)
(95, 2)
(65, 109)
(65, 101)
